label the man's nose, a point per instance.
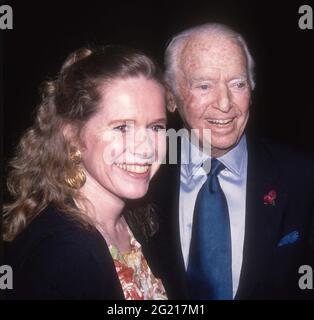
(224, 98)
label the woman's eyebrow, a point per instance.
(121, 120)
(160, 120)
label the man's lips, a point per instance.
(220, 122)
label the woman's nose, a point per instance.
(143, 144)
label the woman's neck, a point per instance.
(105, 209)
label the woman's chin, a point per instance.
(134, 194)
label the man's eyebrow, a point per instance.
(208, 78)
(240, 77)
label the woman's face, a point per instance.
(125, 141)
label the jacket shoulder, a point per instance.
(56, 258)
(293, 162)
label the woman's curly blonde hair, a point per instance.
(37, 172)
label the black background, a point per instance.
(45, 32)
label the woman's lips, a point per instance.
(135, 170)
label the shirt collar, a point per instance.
(234, 159)
(193, 158)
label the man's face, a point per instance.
(213, 91)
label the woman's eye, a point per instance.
(122, 128)
(158, 127)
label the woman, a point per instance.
(97, 141)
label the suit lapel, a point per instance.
(262, 220)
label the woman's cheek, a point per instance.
(161, 144)
(113, 147)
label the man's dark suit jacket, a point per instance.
(269, 268)
(56, 258)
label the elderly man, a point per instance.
(243, 228)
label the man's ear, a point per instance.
(171, 102)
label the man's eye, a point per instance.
(158, 127)
(204, 86)
(241, 85)
(122, 128)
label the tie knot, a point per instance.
(216, 167)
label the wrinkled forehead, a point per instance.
(211, 51)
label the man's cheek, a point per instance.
(196, 107)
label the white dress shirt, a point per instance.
(233, 183)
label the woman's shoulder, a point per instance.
(54, 227)
(56, 257)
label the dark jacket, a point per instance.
(270, 266)
(56, 258)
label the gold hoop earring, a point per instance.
(75, 177)
(75, 156)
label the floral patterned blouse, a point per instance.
(136, 278)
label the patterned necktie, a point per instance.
(209, 269)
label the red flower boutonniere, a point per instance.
(270, 197)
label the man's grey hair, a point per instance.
(176, 44)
